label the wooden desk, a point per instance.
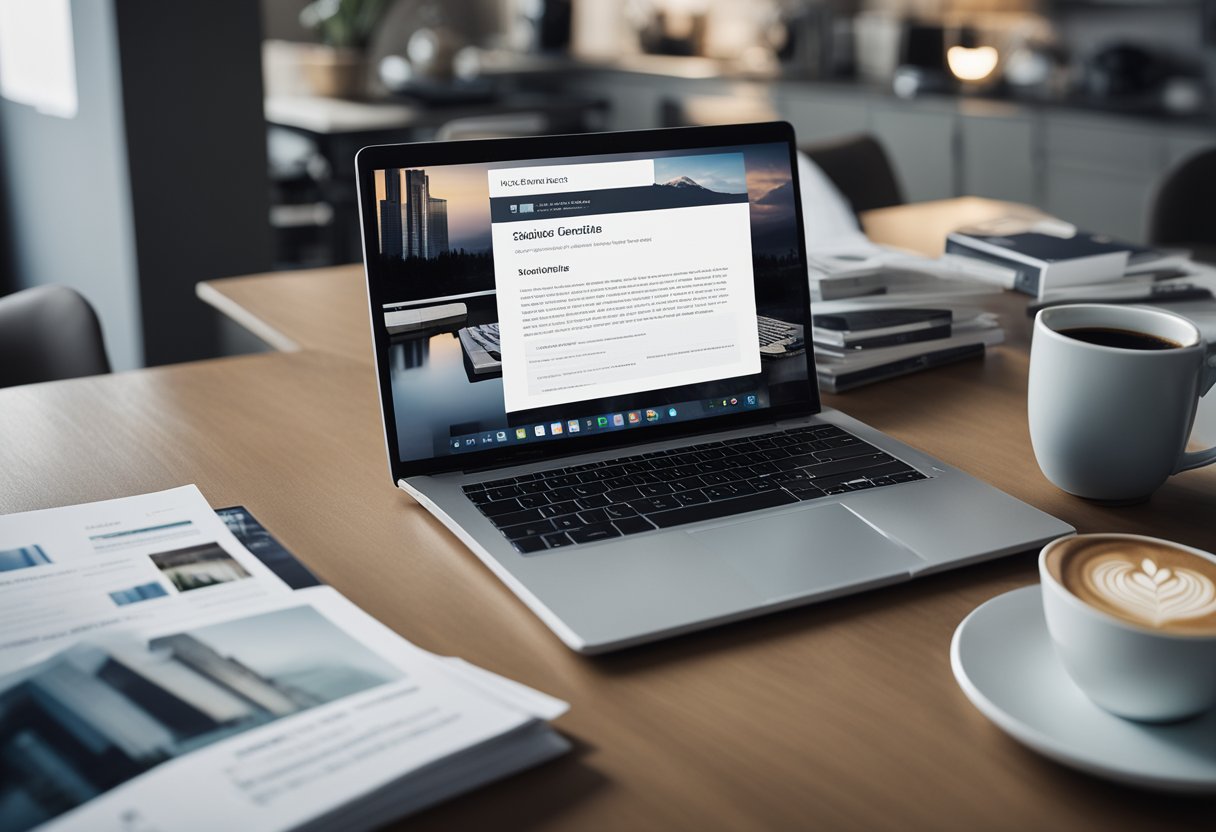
(841, 715)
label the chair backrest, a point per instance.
(1185, 209)
(49, 333)
(859, 168)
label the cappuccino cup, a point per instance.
(1112, 397)
(1133, 621)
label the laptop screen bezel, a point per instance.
(424, 154)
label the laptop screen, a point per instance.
(536, 306)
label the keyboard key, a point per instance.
(558, 540)
(557, 509)
(528, 545)
(500, 507)
(594, 501)
(728, 490)
(600, 531)
(648, 505)
(804, 491)
(503, 493)
(533, 487)
(858, 449)
(588, 489)
(567, 522)
(472, 487)
(623, 495)
(721, 508)
(479, 498)
(532, 500)
(691, 498)
(633, 525)
(764, 483)
(886, 469)
(655, 490)
(514, 518)
(686, 484)
(617, 512)
(908, 477)
(845, 466)
(528, 529)
(594, 515)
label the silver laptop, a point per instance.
(575, 340)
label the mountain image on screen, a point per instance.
(686, 192)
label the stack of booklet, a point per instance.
(164, 666)
(1046, 258)
(862, 346)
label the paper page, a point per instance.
(529, 700)
(146, 689)
(87, 569)
(263, 720)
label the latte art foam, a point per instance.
(1145, 582)
(1156, 595)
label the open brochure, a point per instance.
(155, 674)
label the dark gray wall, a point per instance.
(196, 144)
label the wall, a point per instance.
(67, 198)
(158, 182)
(196, 143)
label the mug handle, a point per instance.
(1197, 459)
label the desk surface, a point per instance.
(841, 715)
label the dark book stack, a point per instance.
(856, 348)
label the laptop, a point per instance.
(587, 395)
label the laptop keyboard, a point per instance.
(660, 489)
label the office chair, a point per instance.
(49, 333)
(1184, 212)
(860, 169)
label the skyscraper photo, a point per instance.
(412, 222)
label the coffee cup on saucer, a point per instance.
(1112, 397)
(1133, 620)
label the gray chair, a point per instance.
(49, 333)
(1184, 212)
(860, 169)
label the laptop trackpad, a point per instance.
(816, 550)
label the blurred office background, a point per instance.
(148, 146)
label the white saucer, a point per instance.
(1006, 664)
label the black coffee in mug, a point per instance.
(1124, 339)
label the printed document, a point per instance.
(155, 674)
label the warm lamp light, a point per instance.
(971, 64)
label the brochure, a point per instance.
(155, 673)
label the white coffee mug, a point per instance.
(1111, 423)
(1133, 672)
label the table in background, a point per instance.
(339, 128)
(838, 715)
